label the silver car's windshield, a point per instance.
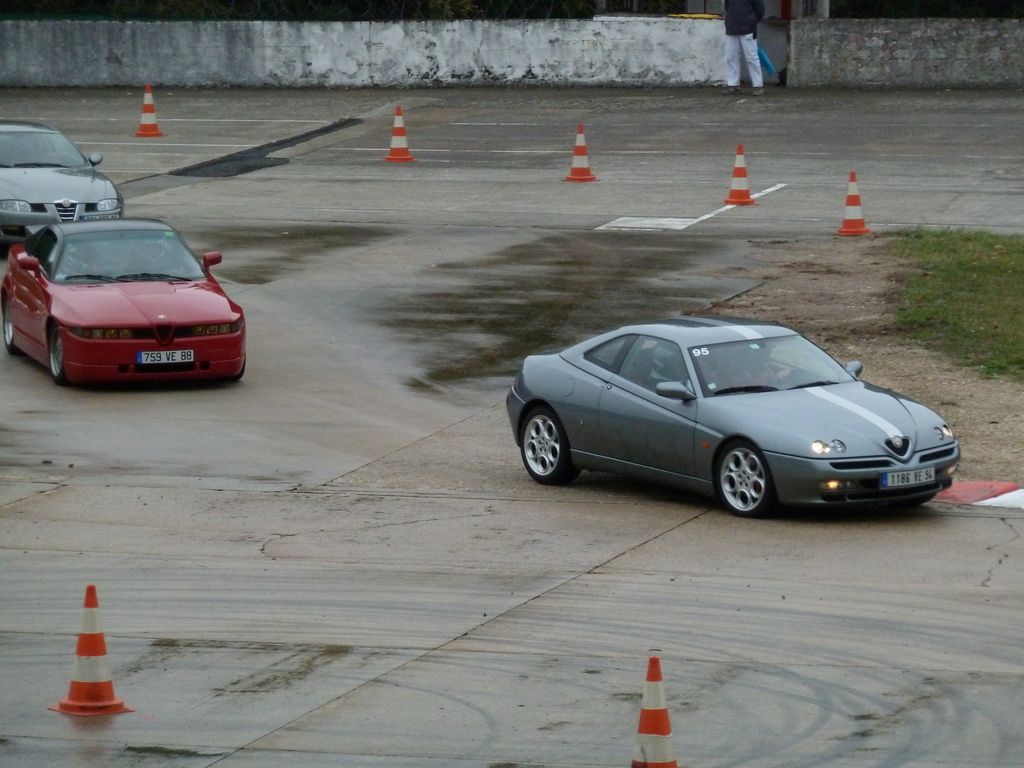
(38, 149)
(125, 256)
(764, 365)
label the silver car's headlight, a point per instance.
(944, 432)
(822, 447)
(109, 204)
(18, 206)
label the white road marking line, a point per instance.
(641, 222)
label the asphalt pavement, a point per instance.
(340, 559)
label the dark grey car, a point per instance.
(45, 178)
(751, 413)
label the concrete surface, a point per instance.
(340, 560)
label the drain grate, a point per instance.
(255, 158)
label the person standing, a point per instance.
(741, 20)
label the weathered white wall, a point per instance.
(612, 50)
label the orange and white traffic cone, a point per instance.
(853, 224)
(739, 192)
(654, 748)
(580, 170)
(399, 152)
(92, 690)
(147, 126)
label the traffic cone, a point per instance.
(739, 192)
(654, 748)
(147, 126)
(92, 690)
(853, 224)
(580, 170)
(399, 152)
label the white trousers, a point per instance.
(742, 47)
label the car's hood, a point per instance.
(861, 415)
(50, 184)
(134, 304)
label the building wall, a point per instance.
(611, 50)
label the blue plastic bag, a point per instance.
(766, 63)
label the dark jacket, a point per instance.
(742, 16)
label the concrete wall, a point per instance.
(613, 50)
(925, 53)
(620, 51)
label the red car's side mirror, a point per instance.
(212, 258)
(28, 263)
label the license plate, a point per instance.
(910, 477)
(165, 356)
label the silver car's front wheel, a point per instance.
(545, 448)
(743, 482)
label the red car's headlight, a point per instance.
(213, 329)
(103, 333)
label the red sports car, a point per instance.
(119, 300)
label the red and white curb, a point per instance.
(985, 494)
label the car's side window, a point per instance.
(651, 361)
(43, 247)
(609, 355)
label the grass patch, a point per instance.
(963, 297)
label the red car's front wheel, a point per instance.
(56, 356)
(9, 344)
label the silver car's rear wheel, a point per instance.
(743, 482)
(545, 448)
(56, 356)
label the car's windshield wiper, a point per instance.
(38, 165)
(822, 383)
(748, 388)
(143, 276)
(96, 278)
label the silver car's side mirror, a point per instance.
(676, 390)
(95, 158)
(854, 368)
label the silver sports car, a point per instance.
(749, 412)
(44, 178)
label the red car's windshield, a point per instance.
(133, 255)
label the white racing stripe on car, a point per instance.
(889, 429)
(746, 333)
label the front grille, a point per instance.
(936, 455)
(164, 334)
(66, 212)
(861, 464)
(898, 445)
